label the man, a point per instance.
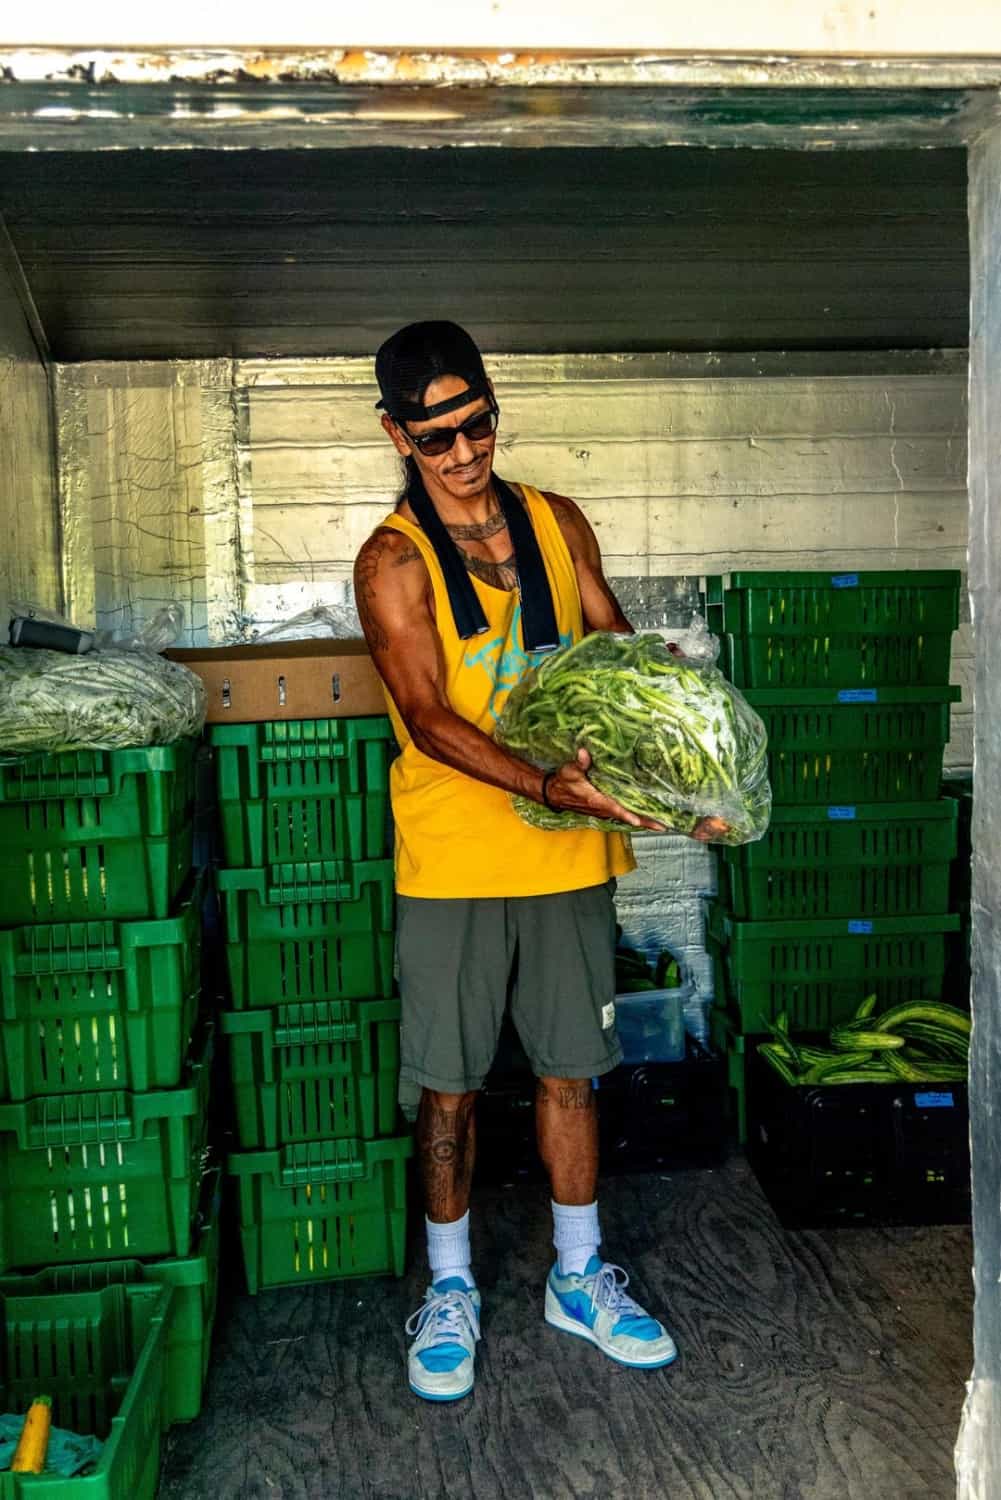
(454, 590)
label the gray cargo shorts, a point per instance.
(464, 962)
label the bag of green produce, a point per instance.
(668, 736)
(118, 695)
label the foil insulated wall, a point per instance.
(29, 553)
(978, 1452)
(149, 496)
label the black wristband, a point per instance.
(545, 791)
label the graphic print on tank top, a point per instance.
(505, 661)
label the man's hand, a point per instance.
(571, 790)
(708, 829)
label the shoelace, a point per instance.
(449, 1312)
(610, 1292)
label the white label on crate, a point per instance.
(608, 1015)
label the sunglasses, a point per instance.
(433, 444)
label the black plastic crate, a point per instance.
(859, 1153)
(650, 1116)
(653, 1115)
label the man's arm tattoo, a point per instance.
(366, 573)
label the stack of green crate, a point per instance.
(313, 1032)
(848, 893)
(959, 787)
(104, 1083)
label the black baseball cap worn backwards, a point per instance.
(405, 366)
(413, 357)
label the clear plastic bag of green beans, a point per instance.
(669, 737)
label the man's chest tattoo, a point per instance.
(500, 575)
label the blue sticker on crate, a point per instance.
(859, 928)
(844, 580)
(857, 695)
(841, 814)
(934, 1101)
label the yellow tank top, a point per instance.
(458, 837)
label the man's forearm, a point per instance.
(445, 736)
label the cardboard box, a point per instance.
(319, 679)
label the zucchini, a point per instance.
(932, 1012)
(850, 1039)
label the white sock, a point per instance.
(576, 1235)
(448, 1250)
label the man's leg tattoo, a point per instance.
(446, 1160)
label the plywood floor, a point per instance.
(814, 1366)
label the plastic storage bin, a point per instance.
(818, 972)
(323, 1210)
(650, 1116)
(320, 931)
(194, 1280)
(95, 833)
(855, 744)
(103, 1176)
(859, 1153)
(791, 630)
(651, 1025)
(731, 1045)
(883, 860)
(304, 789)
(102, 1357)
(99, 1005)
(323, 1070)
(656, 1114)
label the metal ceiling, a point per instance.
(253, 253)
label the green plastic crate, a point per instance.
(304, 789)
(323, 1210)
(819, 972)
(856, 744)
(322, 1070)
(319, 931)
(729, 1042)
(103, 1176)
(102, 1357)
(99, 1005)
(95, 833)
(194, 1279)
(959, 790)
(792, 630)
(884, 860)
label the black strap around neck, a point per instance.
(538, 617)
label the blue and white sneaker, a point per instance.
(595, 1307)
(445, 1330)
